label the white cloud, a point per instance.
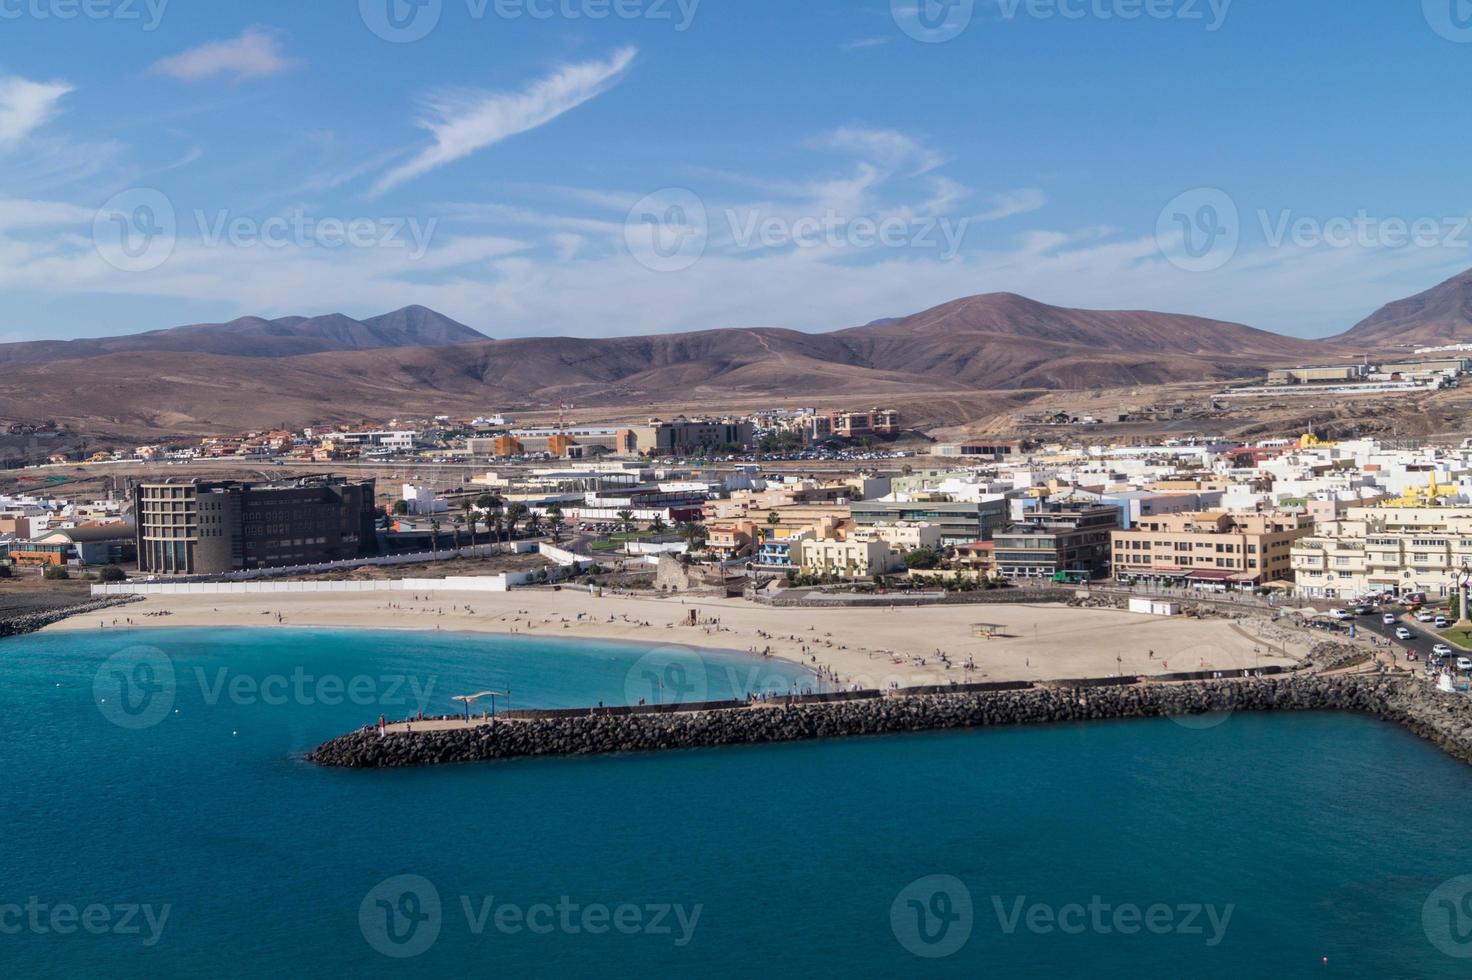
(1013, 203)
(257, 53)
(464, 122)
(26, 105)
(887, 147)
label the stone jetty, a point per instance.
(1444, 719)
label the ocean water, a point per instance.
(194, 841)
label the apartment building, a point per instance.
(855, 425)
(688, 437)
(1209, 548)
(901, 538)
(197, 527)
(959, 522)
(730, 539)
(1057, 539)
(1385, 549)
(846, 559)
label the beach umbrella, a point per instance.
(470, 699)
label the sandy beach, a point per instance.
(869, 647)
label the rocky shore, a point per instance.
(1444, 719)
(30, 622)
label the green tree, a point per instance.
(626, 520)
(554, 515)
(922, 558)
(773, 519)
(401, 507)
(658, 526)
(56, 573)
(472, 517)
(693, 534)
(493, 506)
(434, 537)
(515, 514)
(111, 573)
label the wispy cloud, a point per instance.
(1013, 203)
(464, 122)
(26, 105)
(860, 43)
(257, 53)
(887, 147)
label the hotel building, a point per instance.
(197, 527)
(1209, 548)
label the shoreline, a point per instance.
(863, 648)
(580, 641)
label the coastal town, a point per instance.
(832, 539)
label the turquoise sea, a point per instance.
(194, 841)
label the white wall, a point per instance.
(480, 583)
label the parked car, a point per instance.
(1425, 616)
(1443, 623)
(1401, 633)
(1338, 614)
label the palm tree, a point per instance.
(773, 519)
(691, 532)
(492, 505)
(434, 537)
(515, 514)
(472, 517)
(554, 514)
(626, 520)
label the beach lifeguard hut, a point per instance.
(988, 631)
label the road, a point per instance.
(1425, 634)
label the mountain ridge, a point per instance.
(985, 345)
(254, 336)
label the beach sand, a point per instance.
(867, 647)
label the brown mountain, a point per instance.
(1002, 340)
(1441, 315)
(984, 343)
(252, 336)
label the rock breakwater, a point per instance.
(1444, 719)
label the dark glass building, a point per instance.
(195, 527)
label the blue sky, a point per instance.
(599, 167)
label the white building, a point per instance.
(901, 538)
(424, 500)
